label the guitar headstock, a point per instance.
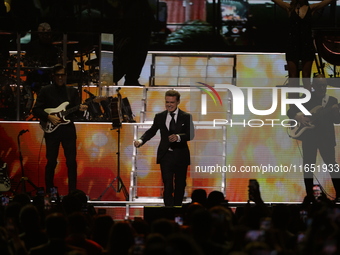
(119, 96)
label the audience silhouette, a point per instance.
(210, 226)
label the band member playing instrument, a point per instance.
(40, 52)
(63, 132)
(41, 55)
(320, 134)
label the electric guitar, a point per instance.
(5, 182)
(317, 112)
(61, 112)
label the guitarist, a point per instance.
(322, 136)
(51, 96)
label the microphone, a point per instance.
(23, 131)
(88, 92)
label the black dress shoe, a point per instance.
(140, 85)
(135, 83)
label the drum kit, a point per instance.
(88, 67)
(327, 43)
(31, 74)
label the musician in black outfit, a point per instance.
(322, 136)
(51, 96)
(41, 52)
(41, 55)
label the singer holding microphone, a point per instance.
(173, 155)
(64, 133)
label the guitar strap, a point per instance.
(68, 94)
(325, 100)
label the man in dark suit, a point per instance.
(321, 137)
(176, 128)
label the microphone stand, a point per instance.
(23, 177)
(115, 125)
(120, 183)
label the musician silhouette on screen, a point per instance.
(173, 155)
(59, 129)
(300, 50)
(319, 134)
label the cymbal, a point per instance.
(45, 67)
(35, 67)
(85, 51)
(61, 42)
(5, 33)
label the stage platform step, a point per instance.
(123, 210)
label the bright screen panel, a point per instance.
(234, 146)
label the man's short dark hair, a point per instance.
(57, 68)
(173, 93)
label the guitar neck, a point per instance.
(71, 110)
(75, 108)
(318, 114)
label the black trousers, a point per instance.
(64, 135)
(174, 174)
(131, 43)
(310, 148)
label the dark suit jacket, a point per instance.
(184, 128)
(323, 132)
(51, 96)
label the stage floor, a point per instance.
(121, 210)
